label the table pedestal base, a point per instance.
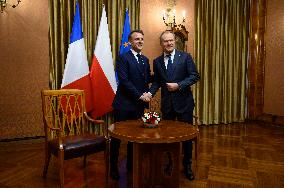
(156, 165)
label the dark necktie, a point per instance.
(170, 66)
(140, 61)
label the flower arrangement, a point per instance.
(151, 119)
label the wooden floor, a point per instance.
(230, 156)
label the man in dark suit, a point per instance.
(175, 72)
(129, 103)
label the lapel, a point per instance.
(176, 60)
(142, 68)
(162, 65)
(133, 60)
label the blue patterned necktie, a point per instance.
(170, 66)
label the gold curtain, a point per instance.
(221, 55)
(61, 13)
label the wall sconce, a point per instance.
(181, 34)
(3, 4)
(169, 18)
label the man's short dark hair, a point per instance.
(166, 31)
(135, 31)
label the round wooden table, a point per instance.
(156, 151)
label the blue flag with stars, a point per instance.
(125, 46)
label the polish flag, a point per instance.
(102, 72)
(76, 73)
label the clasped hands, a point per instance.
(146, 97)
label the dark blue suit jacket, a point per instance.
(133, 82)
(184, 73)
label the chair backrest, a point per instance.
(63, 112)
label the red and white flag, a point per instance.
(76, 73)
(102, 72)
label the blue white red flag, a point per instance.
(76, 71)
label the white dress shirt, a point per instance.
(166, 59)
(135, 54)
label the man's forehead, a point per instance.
(168, 36)
(136, 34)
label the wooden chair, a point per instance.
(69, 131)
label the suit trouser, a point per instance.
(122, 115)
(187, 145)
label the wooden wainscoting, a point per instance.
(270, 119)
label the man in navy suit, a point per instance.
(133, 71)
(175, 72)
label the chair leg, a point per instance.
(61, 161)
(85, 160)
(47, 159)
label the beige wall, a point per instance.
(274, 68)
(151, 23)
(23, 68)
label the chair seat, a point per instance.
(78, 145)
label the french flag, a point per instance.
(102, 72)
(76, 73)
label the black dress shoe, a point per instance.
(114, 174)
(188, 173)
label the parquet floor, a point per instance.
(230, 156)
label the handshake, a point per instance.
(146, 97)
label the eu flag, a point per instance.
(125, 46)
